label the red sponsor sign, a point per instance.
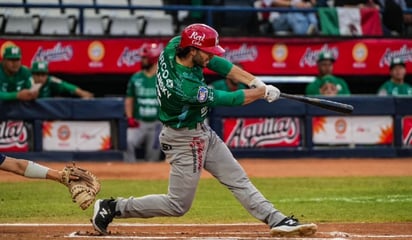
(407, 130)
(261, 56)
(13, 136)
(262, 132)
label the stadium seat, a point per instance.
(121, 21)
(127, 26)
(93, 22)
(158, 22)
(159, 26)
(18, 21)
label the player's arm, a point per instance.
(8, 96)
(27, 168)
(128, 106)
(239, 97)
(23, 95)
(229, 70)
(83, 93)
(67, 87)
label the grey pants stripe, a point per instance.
(188, 151)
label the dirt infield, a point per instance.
(254, 168)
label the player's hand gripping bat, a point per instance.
(323, 103)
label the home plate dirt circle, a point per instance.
(239, 231)
(246, 231)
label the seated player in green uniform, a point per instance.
(326, 83)
(15, 81)
(50, 86)
(396, 86)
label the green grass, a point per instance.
(367, 199)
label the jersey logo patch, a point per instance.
(202, 94)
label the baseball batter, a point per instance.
(191, 146)
(142, 107)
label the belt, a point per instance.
(199, 126)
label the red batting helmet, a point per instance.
(151, 51)
(203, 37)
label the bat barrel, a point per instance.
(322, 103)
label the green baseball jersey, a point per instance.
(314, 87)
(11, 85)
(183, 95)
(222, 85)
(390, 88)
(143, 89)
(55, 87)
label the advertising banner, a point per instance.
(76, 135)
(370, 130)
(260, 56)
(407, 131)
(14, 136)
(262, 132)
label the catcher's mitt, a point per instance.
(82, 184)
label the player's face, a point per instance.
(325, 67)
(39, 77)
(201, 58)
(398, 72)
(329, 89)
(145, 63)
(12, 66)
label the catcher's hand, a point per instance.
(82, 184)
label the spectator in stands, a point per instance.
(393, 18)
(396, 86)
(15, 81)
(325, 83)
(141, 107)
(228, 84)
(298, 22)
(50, 86)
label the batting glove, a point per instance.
(132, 122)
(256, 82)
(272, 93)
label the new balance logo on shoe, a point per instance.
(103, 213)
(290, 222)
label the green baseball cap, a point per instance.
(39, 67)
(12, 52)
(326, 56)
(396, 61)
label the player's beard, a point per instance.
(199, 61)
(146, 66)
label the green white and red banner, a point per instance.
(260, 56)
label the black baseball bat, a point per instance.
(323, 103)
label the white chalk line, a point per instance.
(365, 199)
(334, 235)
(126, 224)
